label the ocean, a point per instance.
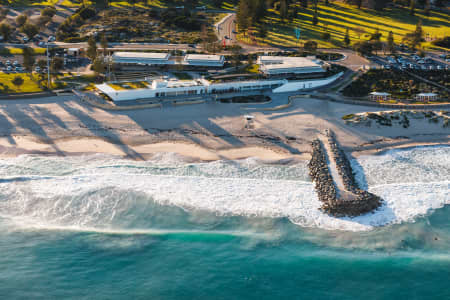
(101, 227)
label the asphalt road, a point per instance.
(226, 28)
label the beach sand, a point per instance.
(65, 126)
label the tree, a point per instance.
(359, 31)
(390, 42)
(427, 8)
(5, 31)
(315, 19)
(44, 20)
(262, 33)
(57, 64)
(21, 20)
(243, 15)
(48, 11)
(415, 38)
(92, 48)
(104, 43)
(99, 65)
(42, 63)
(28, 58)
(363, 48)
(412, 7)
(283, 10)
(310, 46)
(326, 36)
(236, 57)
(17, 81)
(376, 36)
(30, 30)
(347, 38)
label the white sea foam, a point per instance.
(113, 194)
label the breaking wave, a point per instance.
(109, 194)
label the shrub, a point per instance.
(48, 12)
(444, 42)
(348, 117)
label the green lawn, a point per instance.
(29, 85)
(338, 16)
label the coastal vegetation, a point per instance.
(397, 118)
(399, 84)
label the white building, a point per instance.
(170, 88)
(142, 58)
(425, 97)
(279, 65)
(204, 60)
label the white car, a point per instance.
(51, 38)
(37, 69)
(25, 39)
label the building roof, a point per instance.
(141, 55)
(427, 94)
(379, 94)
(204, 57)
(287, 64)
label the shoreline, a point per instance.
(13, 146)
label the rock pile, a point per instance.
(318, 170)
(360, 201)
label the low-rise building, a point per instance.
(142, 58)
(425, 97)
(154, 89)
(286, 65)
(379, 96)
(204, 60)
(165, 59)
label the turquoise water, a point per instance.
(98, 227)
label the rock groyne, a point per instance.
(340, 196)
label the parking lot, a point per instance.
(410, 62)
(14, 63)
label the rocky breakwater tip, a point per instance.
(340, 196)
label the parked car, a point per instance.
(8, 63)
(25, 39)
(9, 68)
(15, 63)
(51, 38)
(37, 69)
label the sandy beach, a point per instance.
(212, 131)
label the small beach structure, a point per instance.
(249, 121)
(379, 96)
(425, 97)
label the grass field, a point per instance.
(29, 85)
(337, 17)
